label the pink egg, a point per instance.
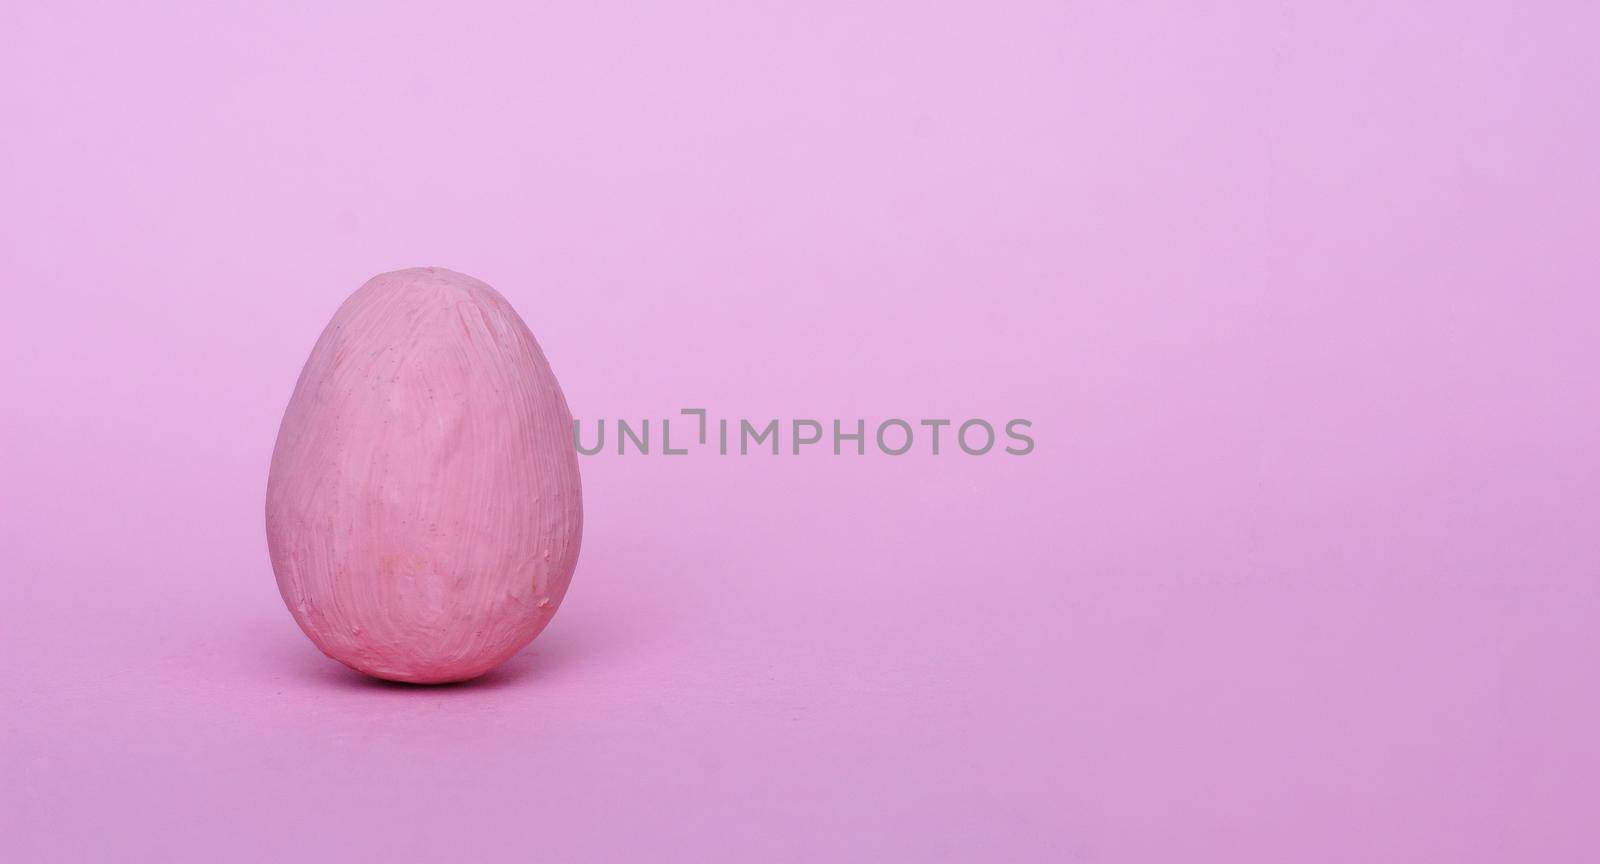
(423, 508)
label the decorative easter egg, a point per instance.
(423, 507)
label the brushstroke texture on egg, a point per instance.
(423, 508)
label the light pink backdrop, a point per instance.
(1302, 302)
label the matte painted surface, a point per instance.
(424, 511)
(1300, 296)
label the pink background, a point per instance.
(1302, 302)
